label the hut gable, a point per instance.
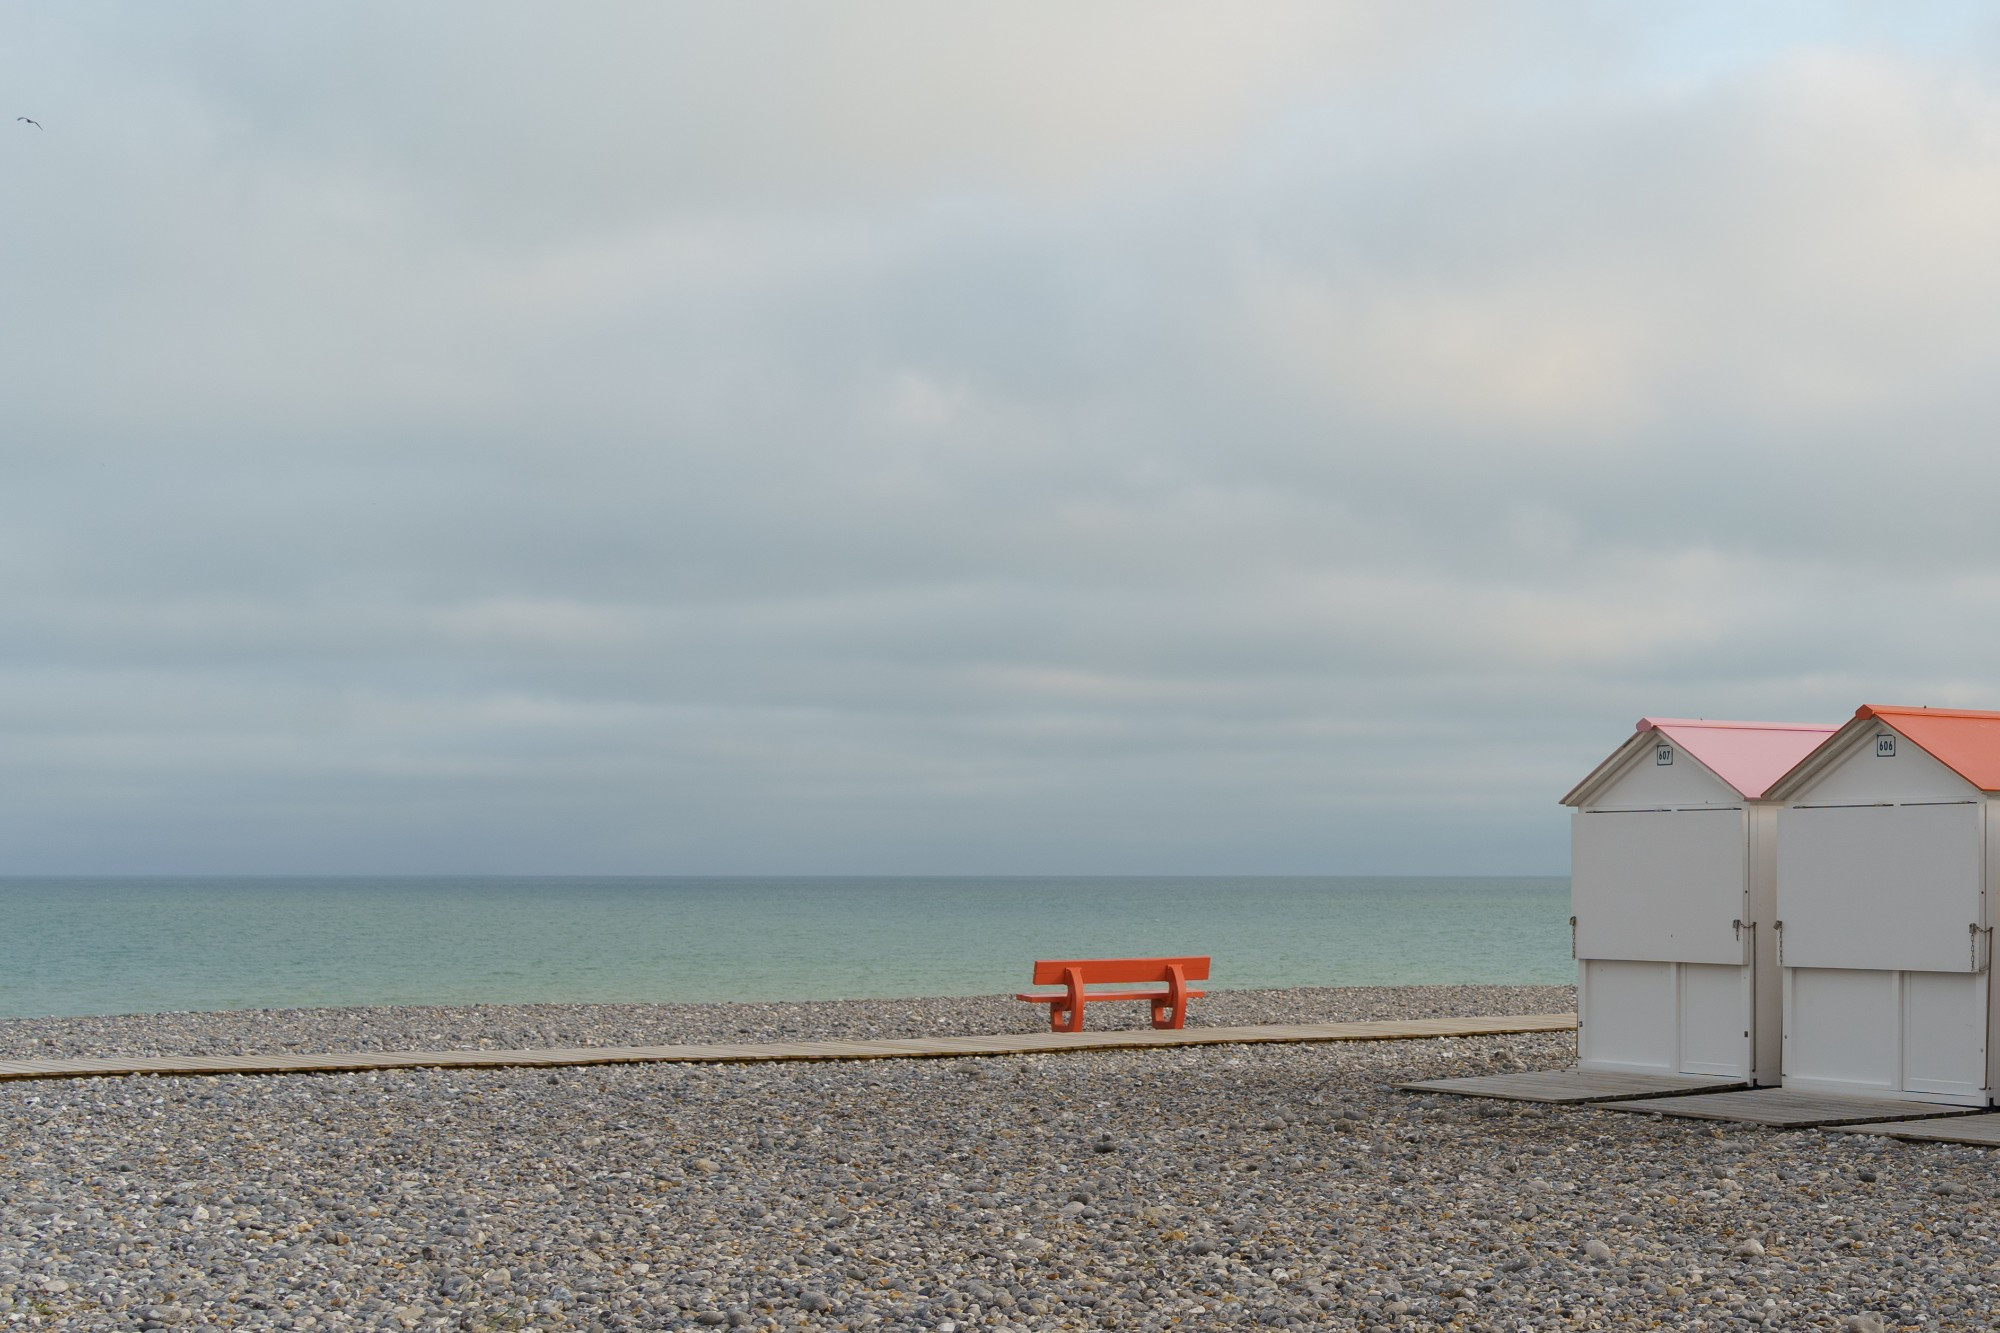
(1966, 742)
(1902, 756)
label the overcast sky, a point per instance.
(1003, 438)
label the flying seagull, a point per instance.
(36, 123)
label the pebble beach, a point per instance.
(1270, 1186)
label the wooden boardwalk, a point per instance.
(900, 1048)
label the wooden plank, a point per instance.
(1979, 1131)
(1027, 1043)
(1574, 1086)
(1790, 1108)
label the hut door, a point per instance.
(1883, 948)
(1663, 965)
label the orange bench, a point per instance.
(1073, 974)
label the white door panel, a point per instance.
(1841, 1028)
(1944, 1032)
(1880, 887)
(1661, 885)
(1628, 1016)
(1715, 1020)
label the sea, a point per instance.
(71, 946)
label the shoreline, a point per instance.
(535, 1026)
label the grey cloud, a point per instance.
(1006, 441)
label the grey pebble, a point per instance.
(1278, 1186)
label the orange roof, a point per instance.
(1964, 741)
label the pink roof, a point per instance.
(1749, 756)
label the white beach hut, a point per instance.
(1672, 872)
(1886, 852)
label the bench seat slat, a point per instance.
(1061, 997)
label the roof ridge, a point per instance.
(1905, 710)
(1655, 723)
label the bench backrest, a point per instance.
(1049, 971)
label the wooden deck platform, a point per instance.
(1790, 1108)
(902, 1048)
(1572, 1086)
(1981, 1131)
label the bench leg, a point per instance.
(1067, 1015)
(1170, 1011)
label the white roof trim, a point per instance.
(1584, 792)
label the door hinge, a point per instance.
(1779, 927)
(1572, 938)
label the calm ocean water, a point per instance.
(99, 946)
